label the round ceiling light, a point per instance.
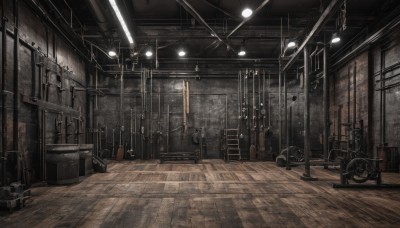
(112, 53)
(242, 53)
(181, 53)
(247, 12)
(149, 53)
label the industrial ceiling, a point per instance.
(216, 32)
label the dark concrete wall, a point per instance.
(61, 57)
(207, 110)
(368, 73)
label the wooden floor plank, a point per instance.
(209, 194)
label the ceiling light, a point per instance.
(149, 51)
(112, 52)
(247, 12)
(121, 20)
(242, 50)
(335, 38)
(291, 44)
(181, 53)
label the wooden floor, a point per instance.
(209, 194)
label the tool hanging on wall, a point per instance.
(130, 153)
(185, 99)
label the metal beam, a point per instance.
(220, 9)
(56, 108)
(249, 18)
(189, 8)
(333, 5)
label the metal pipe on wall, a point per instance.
(16, 88)
(168, 128)
(279, 108)
(354, 100)
(238, 97)
(286, 120)
(348, 95)
(382, 102)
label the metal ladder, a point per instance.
(232, 144)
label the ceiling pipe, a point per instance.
(247, 19)
(333, 5)
(189, 8)
(101, 19)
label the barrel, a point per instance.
(62, 163)
(85, 159)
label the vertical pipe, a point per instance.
(167, 128)
(325, 88)
(354, 101)
(33, 67)
(16, 88)
(226, 111)
(184, 104)
(263, 98)
(113, 143)
(371, 91)
(96, 82)
(279, 95)
(4, 131)
(151, 115)
(279, 108)
(254, 101)
(238, 102)
(44, 126)
(306, 114)
(131, 130)
(269, 100)
(307, 152)
(286, 119)
(382, 102)
(348, 95)
(121, 104)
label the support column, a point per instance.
(4, 95)
(326, 105)
(306, 175)
(16, 90)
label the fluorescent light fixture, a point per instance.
(112, 53)
(335, 38)
(291, 44)
(121, 20)
(242, 53)
(181, 53)
(247, 12)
